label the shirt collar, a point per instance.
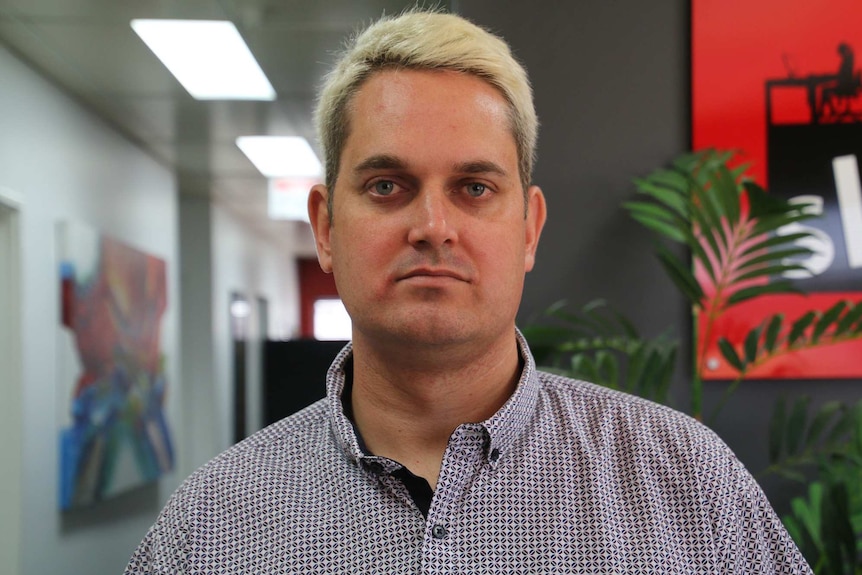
(503, 428)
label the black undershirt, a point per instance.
(418, 487)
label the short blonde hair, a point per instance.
(425, 40)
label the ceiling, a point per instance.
(88, 48)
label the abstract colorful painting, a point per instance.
(781, 81)
(114, 434)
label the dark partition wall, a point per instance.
(295, 375)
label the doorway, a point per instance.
(240, 310)
(11, 452)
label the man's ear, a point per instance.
(318, 215)
(536, 215)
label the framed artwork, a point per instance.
(113, 431)
(780, 81)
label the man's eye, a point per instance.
(476, 190)
(384, 187)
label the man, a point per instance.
(440, 448)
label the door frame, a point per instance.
(11, 421)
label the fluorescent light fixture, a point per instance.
(240, 308)
(288, 198)
(281, 156)
(208, 57)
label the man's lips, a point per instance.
(434, 273)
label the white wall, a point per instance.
(66, 165)
(254, 266)
(199, 385)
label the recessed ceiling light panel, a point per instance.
(208, 57)
(281, 156)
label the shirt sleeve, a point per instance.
(750, 535)
(163, 550)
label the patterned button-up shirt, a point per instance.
(567, 477)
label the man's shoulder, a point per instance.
(605, 414)
(274, 450)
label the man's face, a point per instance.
(428, 241)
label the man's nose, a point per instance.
(433, 218)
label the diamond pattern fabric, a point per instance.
(567, 477)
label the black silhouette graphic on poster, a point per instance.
(817, 162)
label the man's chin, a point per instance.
(424, 332)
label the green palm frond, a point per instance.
(600, 345)
(729, 225)
(774, 336)
(826, 522)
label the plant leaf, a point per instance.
(681, 276)
(667, 195)
(593, 311)
(730, 355)
(584, 368)
(809, 511)
(705, 207)
(774, 241)
(796, 425)
(844, 426)
(826, 320)
(773, 256)
(545, 335)
(799, 327)
(674, 179)
(584, 323)
(607, 369)
(635, 368)
(727, 191)
(772, 331)
(837, 531)
(751, 344)
(776, 430)
(754, 291)
(824, 415)
(628, 327)
(719, 182)
(854, 312)
(660, 226)
(668, 361)
(791, 474)
(771, 224)
(768, 271)
(705, 240)
(799, 533)
(763, 204)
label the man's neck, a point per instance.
(406, 410)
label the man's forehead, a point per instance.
(394, 119)
(389, 82)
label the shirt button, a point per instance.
(495, 455)
(375, 468)
(439, 532)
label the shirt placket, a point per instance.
(445, 531)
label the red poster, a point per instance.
(779, 80)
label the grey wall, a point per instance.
(611, 82)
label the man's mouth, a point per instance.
(434, 273)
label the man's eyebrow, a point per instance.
(380, 162)
(480, 167)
